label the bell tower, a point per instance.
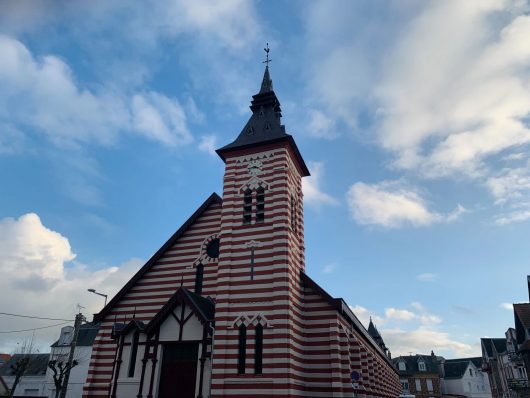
(257, 314)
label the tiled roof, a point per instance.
(412, 364)
(456, 369)
(37, 364)
(523, 313)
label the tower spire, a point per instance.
(266, 83)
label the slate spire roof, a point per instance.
(264, 125)
(372, 330)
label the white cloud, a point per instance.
(313, 195)
(427, 277)
(43, 95)
(329, 268)
(391, 204)
(320, 125)
(364, 315)
(506, 306)
(414, 330)
(208, 144)
(422, 341)
(37, 270)
(399, 314)
(444, 86)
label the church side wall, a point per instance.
(334, 348)
(151, 292)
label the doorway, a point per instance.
(179, 370)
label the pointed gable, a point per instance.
(162, 256)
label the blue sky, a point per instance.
(413, 117)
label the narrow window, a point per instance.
(242, 354)
(418, 385)
(199, 274)
(134, 351)
(247, 206)
(293, 214)
(260, 204)
(258, 354)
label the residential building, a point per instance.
(419, 375)
(60, 351)
(464, 377)
(33, 381)
(505, 367)
(225, 308)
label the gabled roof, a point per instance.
(412, 364)
(491, 344)
(126, 328)
(522, 311)
(212, 199)
(203, 307)
(477, 361)
(455, 369)
(38, 364)
(340, 305)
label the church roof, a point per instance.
(372, 330)
(264, 125)
(340, 305)
(213, 198)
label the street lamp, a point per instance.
(99, 294)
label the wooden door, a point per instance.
(179, 370)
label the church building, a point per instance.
(225, 309)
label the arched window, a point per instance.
(199, 275)
(247, 206)
(242, 353)
(260, 204)
(258, 354)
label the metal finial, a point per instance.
(267, 60)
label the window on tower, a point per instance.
(242, 352)
(294, 225)
(260, 204)
(247, 206)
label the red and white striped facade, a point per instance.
(311, 341)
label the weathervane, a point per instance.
(267, 49)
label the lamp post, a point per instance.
(99, 294)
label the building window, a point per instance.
(199, 275)
(418, 385)
(134, 351)
(242, 353)
(429, 385)
(258, 354)
(471, 372)
(402, 366)
(294, 224)
(260, 204)
(247, 206)
(421, 366)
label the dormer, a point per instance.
(401, 365)
(422, 367)
(66, 335)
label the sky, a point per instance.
(413, 117)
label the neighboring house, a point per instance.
(60, 351)
(4, 391)
(4, 358)
(419, 375)
(225, 309)
(464, 377)
(505, 367)
(32, 383)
